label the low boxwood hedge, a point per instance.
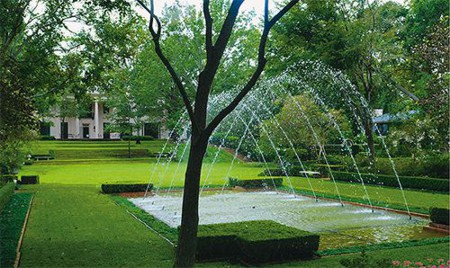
(255, 242)
(440, 215)
(5, 194)
(423, 183)
(29, 179)
(125, 188)
(255, 183)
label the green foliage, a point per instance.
(440, 215)
(365, 261)
(434, 166)
(423, 183)
(29, 179)
(255, 183)
(379, 246)
(6, 191)
(135, 138)
(12, 219)
(47, 138)
(125, 188)
(255, 242)
(299, 117)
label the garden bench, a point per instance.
(42, 157)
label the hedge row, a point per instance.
(125, 188)
(389, 180)
(255, 242)
(31, 179)
(5, 194)
(255, 183)
(440, 215)
(134, 138)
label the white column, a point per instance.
(77, 128)
(96, 120)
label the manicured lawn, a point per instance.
(72, 224)
(77, 226)
(139, 171)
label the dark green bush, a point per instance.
(255, 242)
(29, 179)
(7, 178)
(440, 215)
(5, 194)
(47, 138)
(125, 188)
(134, 138)
(255, 183)
(423, 183)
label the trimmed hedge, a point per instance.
(31, 179)
(125, 188)
(440, 215)
(255, 183)
(5, 194)
(255, 242)
(141, 138)
(390, 180)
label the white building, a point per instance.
(94, 125)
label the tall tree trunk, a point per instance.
(187, 240)
(369, 135)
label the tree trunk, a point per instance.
(187, 241)
(369, 135)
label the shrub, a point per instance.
(47, 138)
(255, 242)
(440, 215)
(5, 194)
(125, 188)
(424, 183)
(7, 178)
(134, 138)
(31, 179)
(255, 183)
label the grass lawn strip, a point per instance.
(12, 220)
(78, 226)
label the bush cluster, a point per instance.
(422, 183)
(125, 188)
(440, 215)
(255, 242)
(255, 183)
(5, 194)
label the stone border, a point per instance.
(19, 245)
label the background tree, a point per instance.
(293, 120)
(215, 47)
(356, 37)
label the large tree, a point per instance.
(216, 46)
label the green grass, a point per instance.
(72, 224)
(11, 221)
(139, 172)
(77, 226)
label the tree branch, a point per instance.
(260, 66)
(208, 31)
(156, 35)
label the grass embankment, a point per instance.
(12, 219)
(78, 226)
